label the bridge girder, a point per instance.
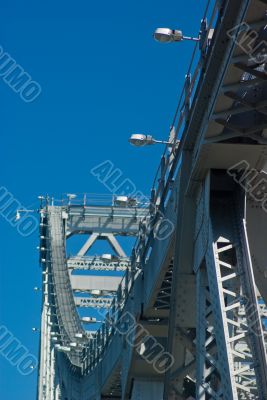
(182, 277)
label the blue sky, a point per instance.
(103, 78)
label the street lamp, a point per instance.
(70, 197)
(140, 140)
(166, 35)
(18, 213)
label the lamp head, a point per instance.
(140, 140)
(166, 35)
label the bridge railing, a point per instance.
(161, 190)
(95, 199)
(171, 159)
(97, 345)
(172, 153)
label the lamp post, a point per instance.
(167, 35)
(140, 140)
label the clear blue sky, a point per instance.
(102, 77)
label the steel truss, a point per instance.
(231, 356)
(219, 348)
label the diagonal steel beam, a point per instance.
(240, 85)
(241, 131)
(246, 106)
(252, 71)
(115, 244)
(88, 244)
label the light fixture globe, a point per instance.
(71, 196)
(163, 35)
(166, 35)
(140, 140)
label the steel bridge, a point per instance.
(183, 315)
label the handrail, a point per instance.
(188, 93)
(95, 199)
(176, 151)
(106, 330)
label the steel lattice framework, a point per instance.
(182, 316)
